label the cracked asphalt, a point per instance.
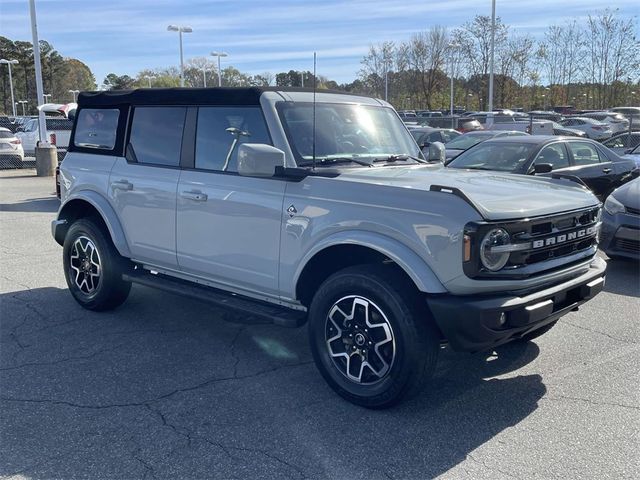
(166, 387)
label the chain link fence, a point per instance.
(12, 161)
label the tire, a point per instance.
(537, 333)
(403, 342)
(93, 267)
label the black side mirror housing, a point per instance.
(20, 129)
(542, 168)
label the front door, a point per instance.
(142, 187)
(228, 226)
(591, 167)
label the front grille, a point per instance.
(633, 211)
(631, 246)
(553, 237)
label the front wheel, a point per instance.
(93, 267)
(371, 336)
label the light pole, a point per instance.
(9, 63)
(302, 79)
(180, 29)
(149, 78)
(219, 54)
(386, 81)
(452, 47)
(204, 76)
(545, 96)
(493, 42)
(46, 97)
(23, 102)
(75, 94)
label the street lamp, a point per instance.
(75, 94)
(491, 63)
(204, 76)
(219, 54)
(452, 47)
(149, 78)
(23, 102)
(46, 97)
(8, 63)
(180, 29)
(546, 89)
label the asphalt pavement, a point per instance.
(167, 387)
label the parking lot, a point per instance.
(166, 387)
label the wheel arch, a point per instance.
(91, 204)
(355, 248)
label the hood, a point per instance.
(497, 196)
(629, 194)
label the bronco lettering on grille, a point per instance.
(565, 237)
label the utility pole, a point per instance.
(493, 45)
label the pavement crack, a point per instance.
(590, 402)
(63, 360)
(149, 470)
(270, 456)
(582, 327)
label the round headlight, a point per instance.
(494, 261)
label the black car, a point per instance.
(598, 167)
(620, 234)
(459, 144)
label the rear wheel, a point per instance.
(371, 337)
(93, 267)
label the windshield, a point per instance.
(467, 141)
(505, 157)
(345, 131)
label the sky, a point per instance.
(126, 36)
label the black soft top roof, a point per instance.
(183, 96)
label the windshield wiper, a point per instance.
(333, 160)
(403, 157)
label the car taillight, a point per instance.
(53, 138)
(17, 141)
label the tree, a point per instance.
(116, 82)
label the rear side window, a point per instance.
(584, 153)
(220, 132)
(96, 128)
(156, 135)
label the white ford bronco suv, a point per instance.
(294, 207)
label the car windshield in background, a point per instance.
(464, 142)
(504, 157)
(345, 132)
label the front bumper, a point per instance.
(473, 323)
(620, 235)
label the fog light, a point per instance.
(467, 248)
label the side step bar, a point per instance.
(264, 311)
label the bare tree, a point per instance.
(375, 65)
(425, 54)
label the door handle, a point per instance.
(122, 185)
(195, 196)
(606, 170)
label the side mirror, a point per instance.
(259, 160)
(542, 168)
(20, 129)
(437, 152)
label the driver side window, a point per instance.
(555, 155)
(220, 132)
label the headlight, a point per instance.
(494, 261)
(613, 206)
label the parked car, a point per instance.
(620, 235)
(630, 113)
(594, 129)
(566, 131)
(598, 167)
(545, 115)
(633, 154)
(616, 121)
(623, 142)
(458, 145)
(428, 114)
(58, 130)
(11, 153)
(223, 195)
(426, 135)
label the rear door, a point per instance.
(592, 167)
(142, 186)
